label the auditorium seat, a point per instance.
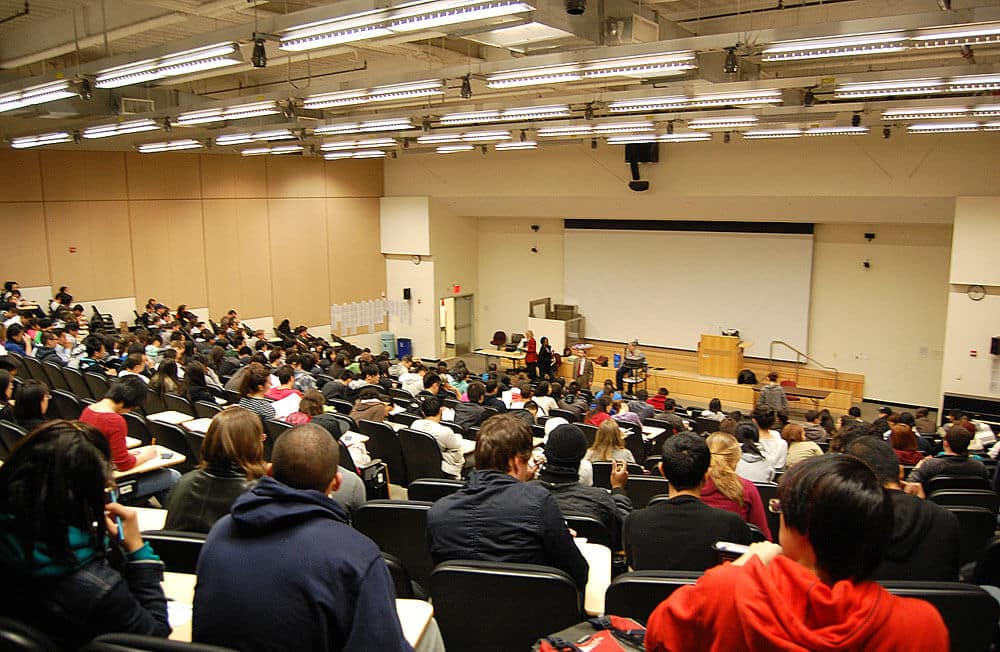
(98, 384)
(77, 384)
(54, 377)
(177, 550)
(384, 444)
(172, 436)
(421, 455)
(939, 482)
(967, 497)
(767, 491)
(602, 473)
(593, 530)
(206, 410)
(399, 527)
(969, 612)
(431, 489)
(10, 434)
(64, 405)
(641, 489)
(636, 594)
(137, 643)
(976, 526)
(16, 636)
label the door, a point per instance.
(463, 324)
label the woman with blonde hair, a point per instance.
(609, 445)
(232, 460)
(799, 448)
(727, 490)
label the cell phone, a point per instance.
(730, 551)
(166, 455)
(619, 466)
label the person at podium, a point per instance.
(633, 360)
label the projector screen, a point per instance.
(666, 288)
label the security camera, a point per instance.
(576, 7)
(534, 227)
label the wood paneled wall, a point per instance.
(269, 236)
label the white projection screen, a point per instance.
(667, 287)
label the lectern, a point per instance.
(720, 356)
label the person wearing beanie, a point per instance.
(564, 452)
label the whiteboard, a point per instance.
(666, 288)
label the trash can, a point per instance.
(618, 360)
(404, 346)
(388, 343)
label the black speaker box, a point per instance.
(642, 153)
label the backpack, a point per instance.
(746, 377)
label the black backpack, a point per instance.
(746, 377)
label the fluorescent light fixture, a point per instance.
(403, 18)
(733, 122)
(926, 113)
(837, 131)
(454, 149)
(238, 112)
(992, 126)
(391, 93)
(595, 130)
(973, 83)
(759, 134)
(39, 94)
(280, 149)
(942, 127)
(895, 87)
(986, 111)
(841, 46)
(645, 66)
(485, 136)
(388, 124)
(433, 139)
(366, 143)
(507, 115)
(170, 146)
(117, 129)
(677, 137)
(685, 102)
(172, 65)
(517, 144)
(39, 140)
(243, 138)
(572, 130)
(368, 153)
(957, 35)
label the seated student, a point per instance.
(541, 398)
(923, 423)
(166, 380)
(310, 406)
(497, 515)
(48, 351)
(775, 448)
(714, 411)
(286, 384)
(6, 394)
(659, 401)
(925, 536)
(449, 441)
(725, 488)
(371, 405)
(565, 446)
(600, 413)
(134, 365)
(905, 423)
(812, 592)
(255, 384)
(679, 533)
(492, 398)
(471, 413)
(285, 570)
(798, 447)
(55, 538)
(753, 464)
(954, 460)
(195, 385)
(609, 445)
(609, 390)
(904, 444)
(671, 417)
(31, 405)
(16, 340)
(232, 459)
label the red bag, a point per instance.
(606, 634)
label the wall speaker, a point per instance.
(995, 346)
(406, 293)
(642, 153)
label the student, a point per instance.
(609, 445)
(773, 395)
(799, 448)
(449, 441)
(600, 413)
(255, 384)
(725, 488)
(31, 405)
(775, 448)
(55, 538)
(753, 464)
(310, 406)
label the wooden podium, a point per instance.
(720, 356)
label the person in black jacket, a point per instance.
(679, 533)
(285, 570)
(924, 543)
(54, 542)
(497, 515)
(470, 414)
(194, 387)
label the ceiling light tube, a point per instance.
(684, 137)
(772, 133)
(841, 46)
(925, 113)
(647, 104)
(39, 94)
(837, 131)
(366, 143)
(373, 153)
(118, 129)
(942, 127)
(433, 139)
(242, 138)
(986, 111)
(658, 65)
(973, 83)
(633, 138)
(388, 124)
(24, 142)
(454, 149)
(507, 115)
(238, 112)
(732, 122)
(622, 127)
(682, 102)
(169, 146)
(180, 63)
(517, 144)
(958, 35)
(485, 136)
(280, 149)
(896, 87)
(992, 126)
(378, 94)
(404, 18)
(572, 130)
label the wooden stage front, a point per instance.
(678, 371)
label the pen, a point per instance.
(118, 520)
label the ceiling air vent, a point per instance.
(131, 106)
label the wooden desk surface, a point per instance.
(155, 463)
(132, 442)
(509, 355)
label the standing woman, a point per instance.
(531, 355)
(545, 358)
(56, 538)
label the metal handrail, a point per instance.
(798, 360)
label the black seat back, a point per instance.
(969, 612)
(589, 431)
(34, 369)
(137, 427)
(642, 488)
(340, 405)
(593, 530)
(569, 415)
(404, 418)
(172, 436)
(523, 602)
(976, 526)
(384, 444)
(178, 404)
(703, 425)
(400, 578)
(767, 491)
(987, 569)
(636, 594)
(16, 636)
(77, 385)
(10, 434)
(273, 429)
(986, 498)
(97, 383)
(421, 455)
(430, 489)
(178, 550)
(399, 527)
(139, 643)
(54, 377)
(206, 410)
(64, 405)
(154, 402)
(602, 473)
(940, 482)
(635, 443)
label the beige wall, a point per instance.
(283, 237)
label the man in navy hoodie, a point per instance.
(285, 571)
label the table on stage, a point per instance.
(814, 395)
(513, 356)
(415, 616)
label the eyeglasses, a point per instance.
(774, 506)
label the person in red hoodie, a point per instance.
(811, 593)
